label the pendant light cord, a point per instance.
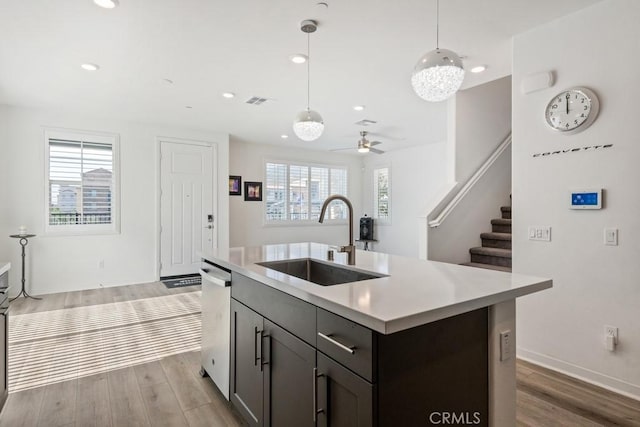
(308, 70)
(437, 24)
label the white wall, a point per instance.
(247, 218)
(594, 285)
(482, 121)
(4, 161)
(59, 264)
(479, 120)
(416, 175)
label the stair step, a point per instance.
(501, 225)
(496, 240)
(488, 266)
(496, 236)
(492, 256)
(497, 252)
(506, 212)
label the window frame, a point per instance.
(88, 136)
(387, 220)
(300, 222)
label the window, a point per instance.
(295, 192)
(381, 194)
(82, 178)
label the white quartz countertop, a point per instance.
(4, 267)
(414, 293)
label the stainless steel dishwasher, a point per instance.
(216, 325)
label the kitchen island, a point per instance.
(419, 343)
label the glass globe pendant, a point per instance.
(439, 73)
(308, 124)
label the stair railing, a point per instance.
(464, 190)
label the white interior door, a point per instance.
(187, 218)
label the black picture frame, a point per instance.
(235, 185)
(252, 191)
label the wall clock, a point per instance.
(572, 110)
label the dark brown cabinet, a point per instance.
(344, 399)
(271, 371)
(295, 364)
(246, 365)
(288, 379)
(4, 335)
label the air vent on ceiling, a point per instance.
(256, 100)
(366, 122)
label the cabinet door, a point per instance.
(289, 379)
(4, 329)
(344, 398)
(246, 366)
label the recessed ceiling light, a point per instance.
(478, 69)
(298, 58)
(90, 67)
(284, 136)
(107, 4)
(228, 95)
(358, 107)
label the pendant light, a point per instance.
(439, 73)
(308, 124)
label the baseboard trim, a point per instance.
(613, 384)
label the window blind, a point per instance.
(381, 193)
(295, 192)
(81, 182)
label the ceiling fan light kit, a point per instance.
(439, 73)
(308, 124)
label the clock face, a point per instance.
(572, 110)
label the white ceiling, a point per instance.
(362, 53)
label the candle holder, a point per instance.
(24, 241)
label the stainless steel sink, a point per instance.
(318, 272)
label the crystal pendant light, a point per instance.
(308, 124)
(439, 73)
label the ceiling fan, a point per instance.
(364, 145)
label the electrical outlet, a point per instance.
(610, 337)
(506, 345)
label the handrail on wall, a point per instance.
(470, 183)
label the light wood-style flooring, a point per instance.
(170, 391)
(547, 398)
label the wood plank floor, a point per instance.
(170, 392)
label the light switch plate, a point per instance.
(611, 236)
(540, 233)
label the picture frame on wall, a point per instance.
(235, 185)
(252, 191)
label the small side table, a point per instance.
(24, 241)
(366, 243)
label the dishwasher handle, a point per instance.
(216, 276)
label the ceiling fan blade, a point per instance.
(341, 149)
(375, 150)
(386, 136)
(372, 143)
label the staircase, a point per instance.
(495, 253)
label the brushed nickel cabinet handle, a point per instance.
(350, 350)
(316, 411)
